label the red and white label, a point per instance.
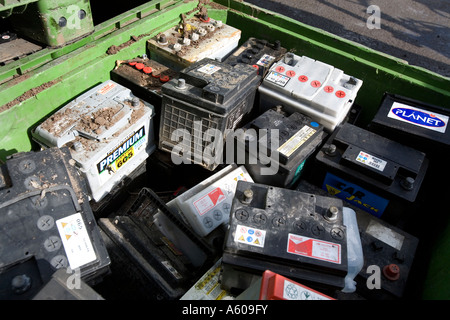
(313, 248)
(209, 201)
(106, 88)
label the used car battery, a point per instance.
(144, 77)
(207, 205)
(375, 174)
(298, 138)
(257, 52)
(45, 214)
(209, 100)
(273, 286)
(295, 234)
(389, 254)
(413, 123)
(317, 89)
(193, 40)
(109, 131)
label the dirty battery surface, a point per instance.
(193, 40)
(285, 231)
(371, 172)
(298, 138)
(209, 99)
(46, 222)
(109, 132)
(309, 86)
(257, 52)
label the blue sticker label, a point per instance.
(419, 117)
(354, 194)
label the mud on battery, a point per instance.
(317, 89)
(46, 222)
(374, 173)
(257, 52)
(298, 138)
(109, 132)
(193, 40)
(209, 100)
(295, 234)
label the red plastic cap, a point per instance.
(132, 63)
(147, 70)
(164, 78)
(392, 272)
(139, 66)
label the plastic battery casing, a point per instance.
(309, 86)
(257, 52)
(370, 171)
(414, 123)
(108, 137)
(213, 100)
(179, 47)
(45, 215)
(273, 286)
(298, 138)
(207, 205)
(285, 231)
(383, 244)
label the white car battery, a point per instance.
(207, 205)
(109, 132)
(305, 85)
(192, 40)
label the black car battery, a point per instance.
(45, 214)
(374, 173)
(414, 123)
(292, 233)
(276, 146)
(389, 255)
(209, 100)
(257, 52)
(145, 261)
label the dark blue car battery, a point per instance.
(286, 231)
(298, 137)
(144, 260)
(209, 100)
(389, 255)
(45, 217)
(257, 52)
(374, 173)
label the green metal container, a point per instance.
(34, 87)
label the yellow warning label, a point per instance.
(256, 242)
(241, 238)
(332, 191)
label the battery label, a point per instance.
(106, 88)
(296, 141)
(355, 195)
(209, 201)
(209, 68)
(385, 234)
(249, 235)
(265, 60)
(371, 161)
(418, 117)
(313, 248)
(119, 156)
(278, 78)
(75, 239)
(294, 291)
